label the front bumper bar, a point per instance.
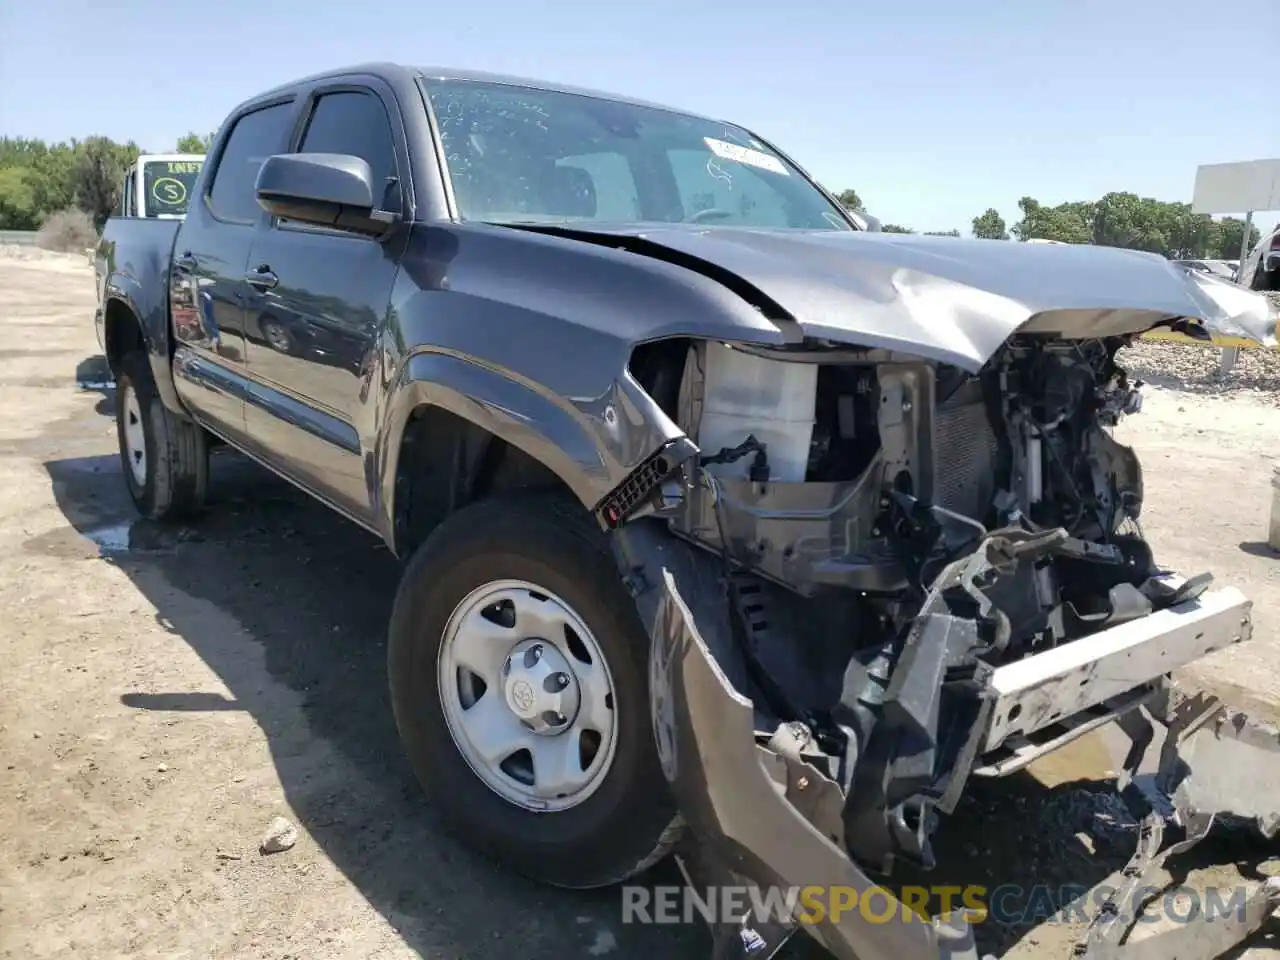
(1038, 691)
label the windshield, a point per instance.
(518, 154)
(167, 185)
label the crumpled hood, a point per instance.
(955, 300)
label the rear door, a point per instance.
(317, 301)
(208, 288)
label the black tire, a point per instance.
(175, 480)
(630, 822)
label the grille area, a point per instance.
(965, 453)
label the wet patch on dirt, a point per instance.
(112, 540)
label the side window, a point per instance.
(126, 196)
(255, 137)
(356, 124)
(705, 184)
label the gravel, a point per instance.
(1194, 368)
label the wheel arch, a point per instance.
(443, 461)
(123, 331)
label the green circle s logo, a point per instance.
(168, 191)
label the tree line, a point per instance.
(39, 179)
(1116, 220)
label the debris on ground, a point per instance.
(280, 836)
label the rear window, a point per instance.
(167, 186)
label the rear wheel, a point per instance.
(165, 458)
(519, 681)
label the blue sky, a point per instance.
(931, 110)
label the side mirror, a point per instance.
(325, 189)
(873, 223)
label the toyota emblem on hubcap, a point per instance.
(522, 696)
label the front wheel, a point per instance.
(165, 458)
(519, 682)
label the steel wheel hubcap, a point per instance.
(527, 696)
(276, 337)
(135, 438)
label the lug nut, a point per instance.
(562, 679)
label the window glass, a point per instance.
(356, 124)
(520, 154)
(610, 184)
(255, 137)
(717, 192)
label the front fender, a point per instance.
(592, 444)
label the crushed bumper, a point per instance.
(761, 818)
(764, 818)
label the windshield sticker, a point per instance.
(753, 158)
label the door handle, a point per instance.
(261, 277)
(187, 262)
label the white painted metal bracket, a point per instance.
(1055, 685)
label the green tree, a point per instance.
(894, 228)
(17, 200)
(990, 226)
(1225, 244)
(850, 200)
(942, 233)
(194, 143)
(1133, 222)
(1068, 222)
(98, 172)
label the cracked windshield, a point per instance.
(517, 154)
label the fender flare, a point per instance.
(153, 327)
(549, 429)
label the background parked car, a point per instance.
(1261, 269)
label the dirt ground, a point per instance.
(164, 694)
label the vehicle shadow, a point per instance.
(1259, 548)
(92, 373)
(315, 593)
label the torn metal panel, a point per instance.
(1218, 764)
(746, 811)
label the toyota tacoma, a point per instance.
(733, 529)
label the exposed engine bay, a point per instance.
(893, 535)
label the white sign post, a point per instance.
(1249, 187)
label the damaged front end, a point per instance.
(876, 576)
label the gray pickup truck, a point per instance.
(732, 529)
